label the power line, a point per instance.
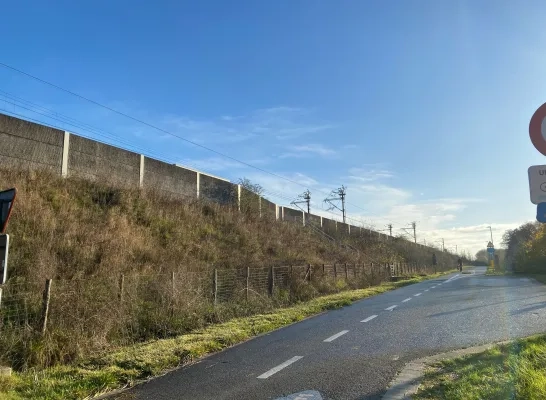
(156, 127)
(100, 132)
(148, 124)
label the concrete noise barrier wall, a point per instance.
(27, 145)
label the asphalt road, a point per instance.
(354, 352)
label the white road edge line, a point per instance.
(334, 337)
(369, 318)
(418, 294)
(408, 299)
(391, 308)
(279, 367)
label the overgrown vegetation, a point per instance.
(526, 248)
(129, 364)
(129, 266)
(509, 371)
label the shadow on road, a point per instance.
(543, 304)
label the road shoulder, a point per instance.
(407, 382)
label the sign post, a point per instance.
(491, 254)
(7, 197)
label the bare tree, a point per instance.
(251, 186)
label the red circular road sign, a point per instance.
(537, 129)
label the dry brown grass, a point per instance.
(84, 235)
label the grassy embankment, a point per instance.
(508, 371)
(84, 235)
(129, 364)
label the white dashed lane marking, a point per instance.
(390, 308)
(369, 318)
(418, 294)
(406, 300)
(279, 367)
(334, 337)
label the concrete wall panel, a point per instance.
(93, 160)
(217, 190)
(24, 144)
(170, 179)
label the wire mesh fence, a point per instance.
(96, 312)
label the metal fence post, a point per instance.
(45, 306)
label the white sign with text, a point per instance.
(537, 183)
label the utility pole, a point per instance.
(340, 193)
(456, 250)
(491, 231)
(443, 245)
(390, 229)
(305, 199)
(413, 226)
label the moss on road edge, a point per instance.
(131, 364)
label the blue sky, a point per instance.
(420, 108)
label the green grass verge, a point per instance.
(130, 364)
(509, 371)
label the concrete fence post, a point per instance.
(198, 184)
(64, 162)
(141, 172)
(303, 217)
(260, 206)
(45, 306)
(239, 197)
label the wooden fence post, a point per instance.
(247, 281)
(121, 284)
(335, 272)
(323, 272)
(346, 273)
(172, 293)
(290, 278)
(45, 306)
(271, 282)
(309, 271)
(215, 286)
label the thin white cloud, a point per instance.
(308, 150)
(275, 123)
(369, 175)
